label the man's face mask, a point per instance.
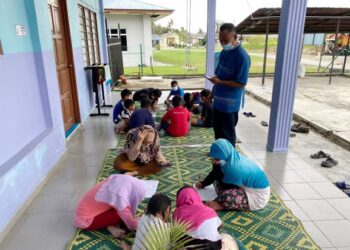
(175, 88)
(228, 46)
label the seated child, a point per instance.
(151, 93)
(110, 203)
(206, 117)
(176, 122)
(141, 152)
(192, 102)
(118, 108)
(175, 90)
(239, 181)
(204, 222)
(123, 118)
(142, 116)
(156, 215)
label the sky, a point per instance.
(227, 10)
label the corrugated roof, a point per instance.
(318, 20)
(130, 5)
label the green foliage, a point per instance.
(172, 236)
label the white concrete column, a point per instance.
(290, 34)
(103, 46)
(210, 61)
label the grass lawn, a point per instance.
(177, 58)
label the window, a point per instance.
(121, 35)
(89, 36)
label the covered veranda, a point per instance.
(312, 198)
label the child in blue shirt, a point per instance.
(118, 108)
(175, 90)
(123, 118)
(142, 116)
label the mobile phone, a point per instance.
(208, 76)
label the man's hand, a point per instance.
(215, 80)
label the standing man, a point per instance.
(231, 76)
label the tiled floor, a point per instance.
(305, 187)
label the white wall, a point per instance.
(139, 31)
(147, 32)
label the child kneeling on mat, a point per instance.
(109, 204)
(206, 117)
(157, 213)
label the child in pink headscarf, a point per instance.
(204, 222)
(109, 203)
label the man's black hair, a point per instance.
(157, 93)
(187, 97)
(128, 103)
(174, 82)
(145, 102)
(125, 93)
(159, 203)
(205, 93)
(229, 27)
(177, 101)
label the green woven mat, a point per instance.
(274, 227)
(196, 136)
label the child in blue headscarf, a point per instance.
(240, 183)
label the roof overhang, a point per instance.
(318, 20)
(155, 14)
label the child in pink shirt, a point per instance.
(109, 203)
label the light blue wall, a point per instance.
(32, 134)
(314, 39)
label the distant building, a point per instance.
(131, 20)
(169, 40)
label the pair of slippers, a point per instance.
(328, 163)
(298, 128)
(249, 114)
(343, 186)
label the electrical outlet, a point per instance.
(1, 51)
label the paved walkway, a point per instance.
(327, 105)
(302, 184)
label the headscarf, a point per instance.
(238, 169)
(190, 209)
(122, 191)
(148, 152)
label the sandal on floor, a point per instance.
(298, 128)
(246, 114)
(292, 135)
(342, 185)
(319, 155)
(250, 114)
(265, 124)
(329, 162)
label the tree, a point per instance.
(218, 24)
(182, 34)
(170, 24)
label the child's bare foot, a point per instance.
(214, 205)
(133, 173)
(124, 246)
(116, 232)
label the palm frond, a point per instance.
(167, 236)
